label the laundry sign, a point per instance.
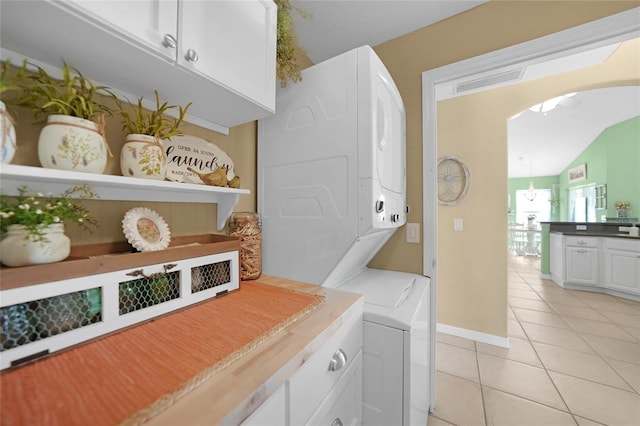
(185, 151)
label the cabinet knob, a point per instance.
(169, 41)
(191, 56)
(338, 360)
(337, 422)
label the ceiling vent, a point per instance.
(491, 80)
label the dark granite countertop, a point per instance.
(597, 234)
(591, 229)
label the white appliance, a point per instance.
(331, 191)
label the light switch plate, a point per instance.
(458, 224)
(413, 233)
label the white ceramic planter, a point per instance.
(8, 135)
(143, 156)
(18, 249)
(72, 143)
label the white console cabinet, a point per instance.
(219, 55)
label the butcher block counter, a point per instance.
(226, 394)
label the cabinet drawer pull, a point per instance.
(337, 422)
(169, 41)
(338, 360)
(582, 242)
(140, 272)
(191, 55)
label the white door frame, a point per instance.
(612, 29)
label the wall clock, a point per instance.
(453, 180)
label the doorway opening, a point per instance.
(613, 29)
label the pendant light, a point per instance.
(531, 192)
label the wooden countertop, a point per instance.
(235, 392)
(92, 377)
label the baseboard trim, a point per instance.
(545, 276)
(477, 336)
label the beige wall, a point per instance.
(472, 268)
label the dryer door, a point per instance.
(390, 137)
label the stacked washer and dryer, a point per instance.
(331, 192)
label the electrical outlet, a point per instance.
(581, 227)
(413, 232)
(458, 224)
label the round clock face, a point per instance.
(453, 180)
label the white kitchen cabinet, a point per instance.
(581, 260)
(147, 21)
(335, 368)
(234, 44)
(556, 258)
(123, 45)
(326, 389)
(622, 265)
(343, 405)
(272, 412)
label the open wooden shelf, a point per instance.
(111, 187)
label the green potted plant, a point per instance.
(73, 137)
(8, 83)
(34, 225)
(287, 66)
(143, 155)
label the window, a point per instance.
(582, 204)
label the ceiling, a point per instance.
(326, 28)
(545, 144)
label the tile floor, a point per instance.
(574, 360)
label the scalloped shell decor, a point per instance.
(146, 230)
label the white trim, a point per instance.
(546, 277)
(477, 336)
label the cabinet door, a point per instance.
(234, 42)
(272, 412)
(147, 21)
(622, 269)
(556, 258)
(582, 266)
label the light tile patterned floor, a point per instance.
(574, 360)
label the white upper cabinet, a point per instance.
(219, 55)
(233, 43)
(152, 22)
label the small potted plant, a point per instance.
(143, 155)
(622, 208)
(34, 225)
(73, 137)
(8, 83)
